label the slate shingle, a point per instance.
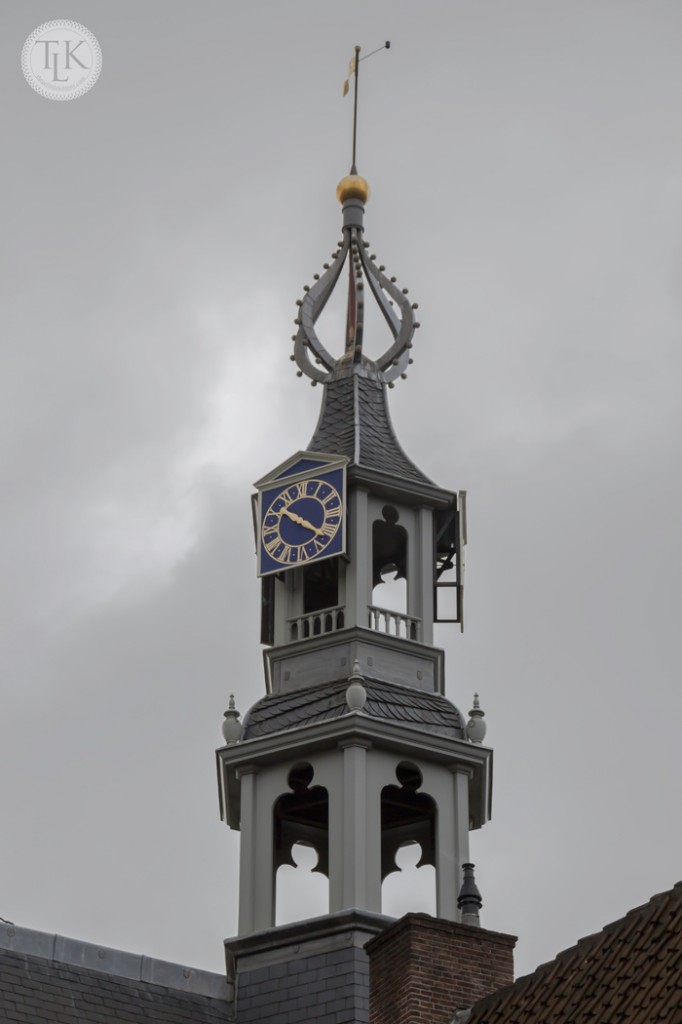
(355, 422)
(49, 992)
(278, 712)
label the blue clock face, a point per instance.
(301, 522)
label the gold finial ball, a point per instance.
(353, 186)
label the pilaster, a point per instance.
(359, 569)
(425, 572)
(361, 833)
(247, 848)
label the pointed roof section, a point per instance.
(354, 419)
(355, 422)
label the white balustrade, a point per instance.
(326, 620)
(385, 620)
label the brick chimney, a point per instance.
(423, 969)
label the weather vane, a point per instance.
(353, 68)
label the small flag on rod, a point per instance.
(351, 72)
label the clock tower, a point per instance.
(354, 750)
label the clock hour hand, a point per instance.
(309, 526)
(301, 521)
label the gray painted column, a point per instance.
(461, 775)
(410, 521)
(361, 834)
(359, 569)
(282, 611)
(270, 784)
(426, 573)
(450, 790)
(247, 849)
(329, 773)
(446, 846)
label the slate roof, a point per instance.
(278, 712)
(35, 990)
(629, 973)
(355, 422)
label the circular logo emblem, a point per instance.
(61, 60)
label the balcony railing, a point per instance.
(326, 620)
(384, 620)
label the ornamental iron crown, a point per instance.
(311, 356)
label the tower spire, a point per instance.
(357, 765)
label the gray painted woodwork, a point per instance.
(323, 659)
(394, 770)
(354, 758)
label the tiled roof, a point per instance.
(280, 711)
(34, 990)
(629, 973)
(355, 422)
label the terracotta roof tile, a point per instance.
(629, 972)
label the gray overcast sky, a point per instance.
(525, 158)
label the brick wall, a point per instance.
(423, 969)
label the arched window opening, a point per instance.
(411, 887)
(408, 821)
(301, 824)
(302, 892)
(391, 591)
(389, 574)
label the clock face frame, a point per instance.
(302, 520)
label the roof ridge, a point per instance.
(90, 956)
